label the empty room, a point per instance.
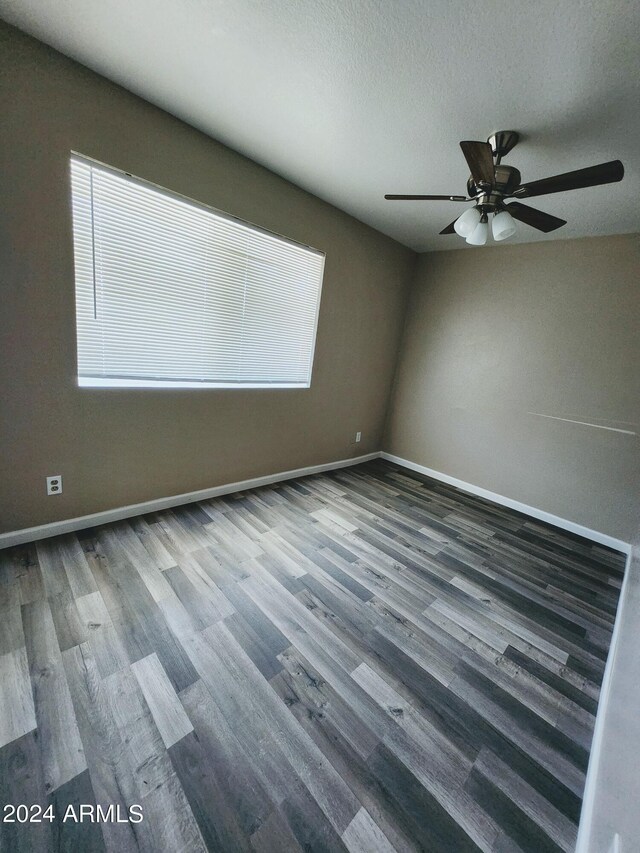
(319, 418)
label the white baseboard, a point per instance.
(43, 531)
(55, 528)
(534, 512)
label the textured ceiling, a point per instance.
(354, 98)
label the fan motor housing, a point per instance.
(507, 178)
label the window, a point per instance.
(171, 293)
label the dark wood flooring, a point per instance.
(365, 660)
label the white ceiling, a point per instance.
(350, 99)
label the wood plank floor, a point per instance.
(365, 660)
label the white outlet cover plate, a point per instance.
(54, 484)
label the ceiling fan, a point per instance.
(491, 183)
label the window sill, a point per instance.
(95, 382)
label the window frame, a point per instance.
(141, 383)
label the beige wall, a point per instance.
(496, 333)
(115, 447)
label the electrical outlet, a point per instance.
(358, 436)
(54, 485)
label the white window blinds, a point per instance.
(169, 292)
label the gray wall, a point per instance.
(116, 447)
(496, 333)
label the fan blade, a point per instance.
(479, 157)
(426, 198)
(449, 229)
(604, 173)
(536, 218)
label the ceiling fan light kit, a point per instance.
(491, 183)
